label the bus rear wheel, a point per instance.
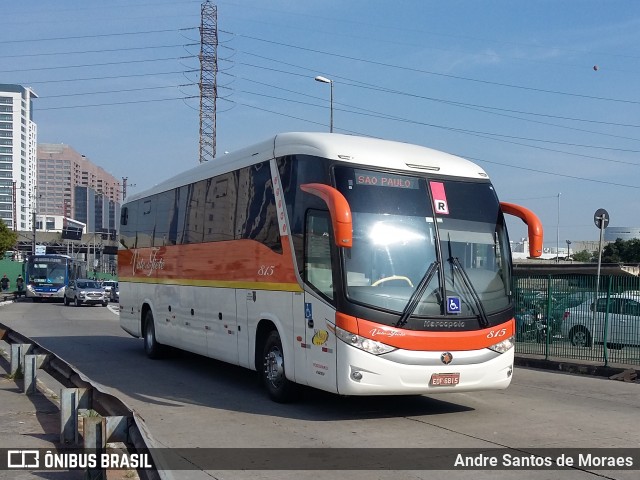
(280, 389)
(152, 347)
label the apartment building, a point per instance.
(60, 170)
(18, 157)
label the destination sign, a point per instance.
(385, 180)
(49, 259)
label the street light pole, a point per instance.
(330, 82)
(33, 221)
(33, 231)
(558, 232)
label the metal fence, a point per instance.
(557, 317)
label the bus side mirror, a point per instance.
(534, 225)
(339, 211)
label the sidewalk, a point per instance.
(28, 422)
(33, 422)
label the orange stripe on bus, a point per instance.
(422, 340)
(229, 262)
(281, 287)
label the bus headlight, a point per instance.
(366, 344)
(503, 346)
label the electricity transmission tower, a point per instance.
(208, 85)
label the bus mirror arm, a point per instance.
(534, 226)
(339, 210)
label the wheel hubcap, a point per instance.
(274, 366)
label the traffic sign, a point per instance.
(601, 218)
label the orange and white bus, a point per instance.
(354, 265)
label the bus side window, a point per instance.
(318, 272)
(127, 232)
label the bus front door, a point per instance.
(320, 343)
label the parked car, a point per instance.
(619, 312)
(561, 303)
(85, 291)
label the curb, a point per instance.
(576, 368)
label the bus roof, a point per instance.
(346, 148)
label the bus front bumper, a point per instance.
(360, 373)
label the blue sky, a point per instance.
(509, 84)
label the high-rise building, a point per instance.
(18, 140)
(61, 169)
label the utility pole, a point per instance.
(15, 213)
(33, 231)
(33, 221)
(208, 80)
(124, 187)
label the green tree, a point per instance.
(622, 251)
(8, 238)
(583, 256)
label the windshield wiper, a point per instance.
(473, 293)
(412, 304)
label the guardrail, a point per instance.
(84, 405)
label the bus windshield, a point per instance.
(403, 224)
(47, 271)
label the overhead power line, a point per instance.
(108, 77)
(358, 84)
(110, 104)
(106, 64)
(469, 157)
(428, 72)
(103, 50)
(99, 35)
(123, 90)
(486, 135)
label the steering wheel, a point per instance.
(392, 277)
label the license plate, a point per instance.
(445, 379)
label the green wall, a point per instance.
(12, 269)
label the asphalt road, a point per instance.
(189, 401)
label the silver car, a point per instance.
(85, 291)
(619, 313)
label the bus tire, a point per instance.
(279, 388)
(152, 347)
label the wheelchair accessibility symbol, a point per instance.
(453, 304)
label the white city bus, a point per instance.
(354, 265)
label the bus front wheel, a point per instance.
(274, 379)
(152, 347)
